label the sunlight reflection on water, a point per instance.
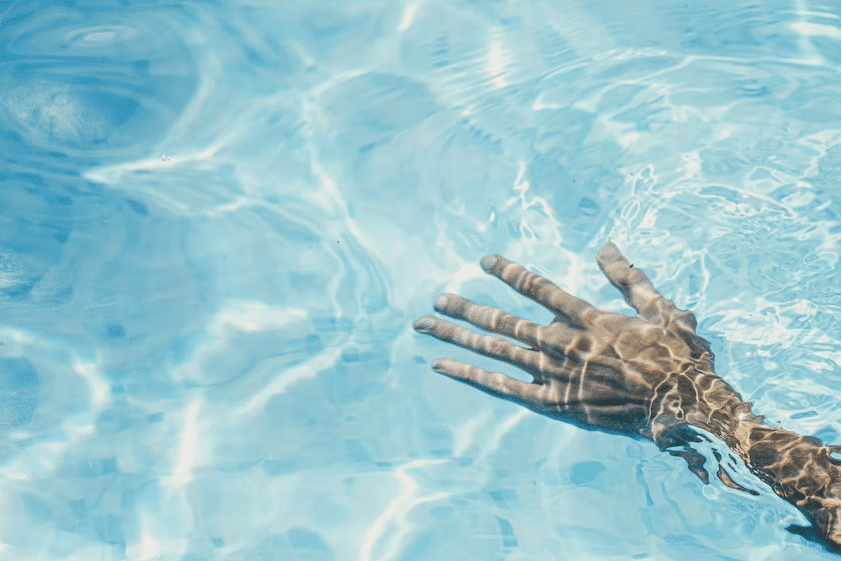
(218, 223)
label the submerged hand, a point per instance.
(640, 374)
(649, 375)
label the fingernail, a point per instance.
(423, 324)
(439, 364)
(440, 303)
(487, 263)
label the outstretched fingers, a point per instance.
(538, 288)
(490, 319)
(636, 287)
(498, 385)
(486, 345)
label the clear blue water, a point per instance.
(218, 220)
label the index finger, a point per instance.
(636, 287)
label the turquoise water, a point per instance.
(218, 221)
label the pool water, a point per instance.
(219, 219)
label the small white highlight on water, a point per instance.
(816, 30)
(497, 61)
(692, 165)
(408, 16)
(186, 461)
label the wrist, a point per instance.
(704, 401)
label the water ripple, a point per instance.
(217, 221)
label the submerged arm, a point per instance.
(649, 375)
(800, 469)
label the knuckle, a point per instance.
(495, 346)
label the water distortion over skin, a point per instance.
(649, 376)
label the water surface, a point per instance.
(218, 220)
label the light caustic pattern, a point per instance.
(220, 221)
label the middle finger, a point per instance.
(490, 319)
(494, 347)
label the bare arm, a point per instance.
(649, 375)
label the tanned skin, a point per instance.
(647, 376)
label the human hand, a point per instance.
(649, 375)
(643, 374)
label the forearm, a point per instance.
(800, 469)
